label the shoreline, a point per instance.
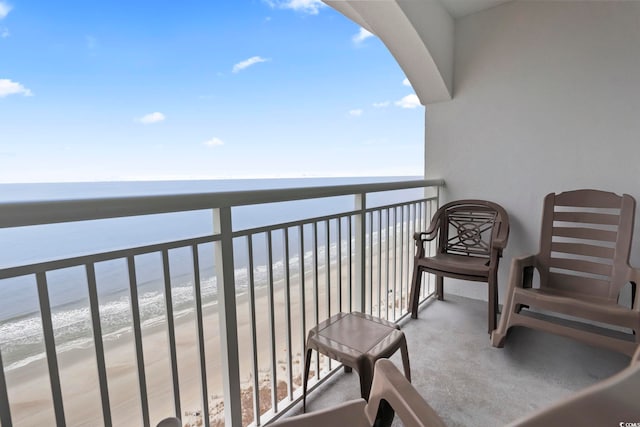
(29, 385)
(30, 394)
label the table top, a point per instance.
(355, 334)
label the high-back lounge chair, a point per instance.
(583, 265)
(471, 236)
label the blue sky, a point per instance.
(121, 90)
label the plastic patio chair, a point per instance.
(583, 264)
(170, 422)
(471, 237)
(390, 392)
(610, 402)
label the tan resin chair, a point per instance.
(471, 237)
(610, 402)
(170, 422)
(391, 392)
(583, 264)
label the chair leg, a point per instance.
(492, 301)
(508, 309)
(405, 359)
(633, 298)
(498, 335)
(440, 287)
(385, 415)
(414, 298)
(305, 380)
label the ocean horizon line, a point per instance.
(170, 178)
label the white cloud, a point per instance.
(361, 36)
(312, 7)
(248, 63)
(355, 113)
(409, 101)
(213, 142)
(4, 33)
(406, 82)
(8, 87)
(4, 9)
(151, 118)
(382, 104)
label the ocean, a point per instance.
(21, 340)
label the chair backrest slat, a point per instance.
(583, 249)
(581, 266)
(587, 217)
(596, 288)
(585, 233)
(588, 199)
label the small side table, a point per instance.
(356, 340)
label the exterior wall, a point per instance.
(546, 99)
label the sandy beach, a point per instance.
(29, 386)
(29, 389)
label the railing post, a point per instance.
(360, 251)
(5, 409)
(228, 320)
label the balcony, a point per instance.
(149, 334)
(205, 316)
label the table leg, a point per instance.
(365, 370)
(305, 379)
(405, 359)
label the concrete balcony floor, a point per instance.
(470, 383)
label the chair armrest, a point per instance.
(525, 261)
(426, 236)
(500, 241)
(391, 386)
(634, 278)
(430, 233)
(522, 271)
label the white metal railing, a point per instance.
(277, 281)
